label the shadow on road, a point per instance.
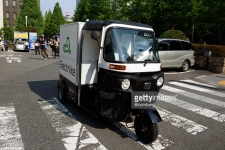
(47, 90)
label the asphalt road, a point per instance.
(32, 118)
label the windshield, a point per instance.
(123, 45)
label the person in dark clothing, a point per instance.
(43, 49)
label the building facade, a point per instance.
(1, 14)
(11, 9)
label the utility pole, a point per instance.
(26, 20)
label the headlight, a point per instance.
(125, 84)
(159, 81)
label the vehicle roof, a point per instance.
(98, 24)
(171, 39)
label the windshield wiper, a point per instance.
(148, 57)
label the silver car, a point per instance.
(175, 53)
(20, 45)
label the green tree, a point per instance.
(138, 11)
(57, 19)
(170, 15)
(7, 33)
(213, 20)
(31, 9)
(5, 22)
(47, 23)
(83, 11)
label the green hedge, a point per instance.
(217, 50)
(175, 34)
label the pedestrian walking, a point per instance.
(2, 47)
(36, 44)
(54, 45)
(26, 44)
(43, 49)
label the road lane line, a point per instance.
(198, 89)
(197, 109)
(198, 83)
(194, 96)
(178, 72)
(159, 144)
(74, 134)
(181, 122)
(10, 137)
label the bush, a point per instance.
(175, 34)
(217, 50)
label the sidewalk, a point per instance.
(214, 79)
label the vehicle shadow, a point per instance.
(47, 90)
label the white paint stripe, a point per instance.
(200, 76)
(68, 127)
(198, 89)
(194, 96)
(199, 110)
(178, 72)
(203, 84)
(180, 122)
(160, 143)
(10, 137)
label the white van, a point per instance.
(175, 53)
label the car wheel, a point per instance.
(62, 95)
(185, 65)
(148, 132)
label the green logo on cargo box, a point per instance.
(66, 47)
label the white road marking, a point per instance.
(195, 82)
(200, 76)
(10, 137)
(74, 134)
(159, 144)
(181, 122)
(198, 89)
(199, 110)
(194, 96)
(178, 72)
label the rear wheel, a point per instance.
(145, 131)
(185, 66)
(62, 95)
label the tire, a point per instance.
(62, 95)
(148, 133)
(185, 66)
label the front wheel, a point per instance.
(145, 130)
(62, 95)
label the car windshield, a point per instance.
(123, 45)
(21, 42)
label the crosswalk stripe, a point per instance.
(10, 137)
(159, 144)
(181, 122)
(199, 110)
(199, 83)
(198, 89)
(74, 135)
(194, 96)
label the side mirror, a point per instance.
(95, 35)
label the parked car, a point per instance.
(175, 53)
(19, 45)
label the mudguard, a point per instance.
(153, 115)
(62, 83)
